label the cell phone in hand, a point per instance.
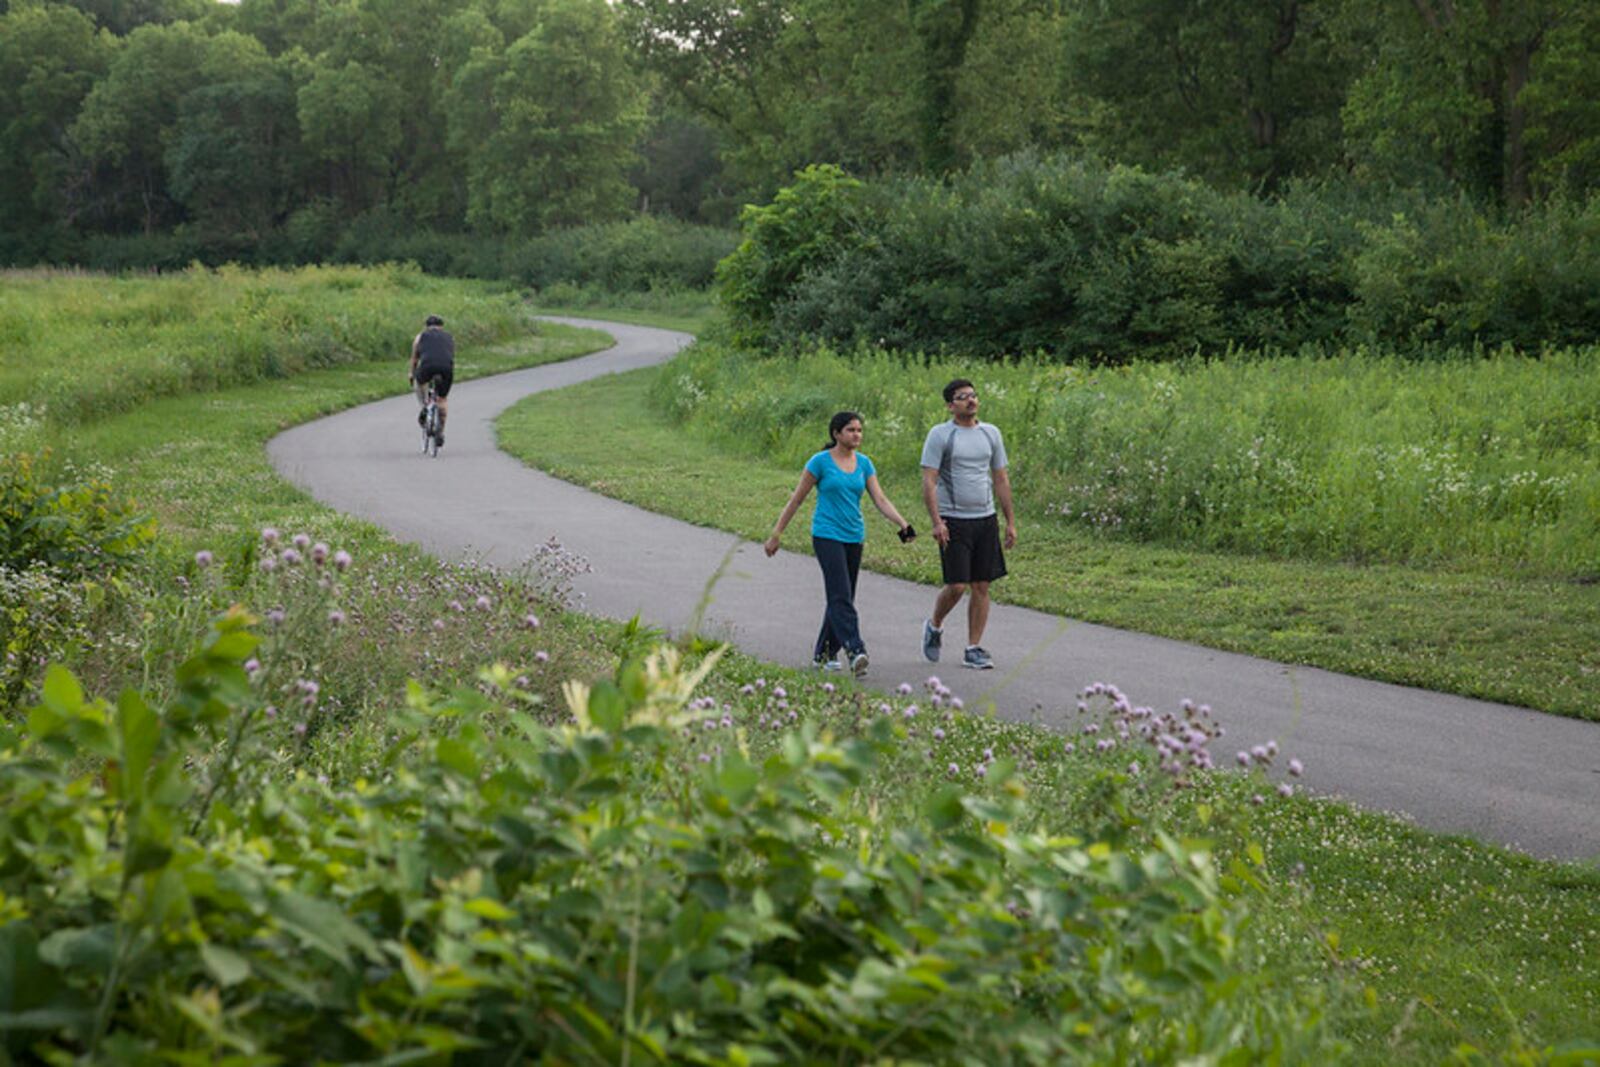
(909, 533)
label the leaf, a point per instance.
(62, 694)
(321, 925)
(457, 756)
(88, 949)
(140, 732)
(493, 910)
(228, 967)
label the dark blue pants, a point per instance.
(841, 628)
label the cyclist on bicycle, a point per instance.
(433, 355)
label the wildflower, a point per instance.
(1272, 748)
(747, 689)
(955, 702)
(275, 616)
(271, 711)
(1286, 790)
(910, 711)
(455, 606)
(954, 770)
(299, 729)
(301, 541)
(1243, 758)
(934, 683)
(202, 559)
(269, 564)
(981, 770)
(1258, 800)
(779, 692)
(319, 553)
(1260, 753)
(438, 626)
(269, 535)
(1296, 768)
(531, 621)
(904, 689)
(938, 733)
(705, 757)
(827, 687)
(251, 666)
(291, 557)
(336, 617)
(541, 656)
(341, 559)
(482, 603)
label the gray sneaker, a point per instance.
(977, 659)
(858, 664)
(931, 639)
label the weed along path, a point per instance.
(1503, 774)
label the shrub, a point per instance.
(1092, 262)
(76, 526)
(583, 893)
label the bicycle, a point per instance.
(430, 421)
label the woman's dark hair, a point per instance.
(839, 421)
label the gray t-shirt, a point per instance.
(964, 456)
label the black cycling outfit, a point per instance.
(436, 359)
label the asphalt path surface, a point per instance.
(1503, 774)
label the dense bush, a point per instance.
(1103, 263)
(1344, 454)
(582, 893)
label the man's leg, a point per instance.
(946, 602)
(444, 412)
(977, 612)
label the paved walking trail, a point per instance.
(1504, 774)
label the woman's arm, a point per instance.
(881, 502)
(807, 480)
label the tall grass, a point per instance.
(1356, 455)
(87, 345)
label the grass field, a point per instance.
(1457, 942)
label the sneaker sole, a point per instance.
(978, 666)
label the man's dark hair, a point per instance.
(951, 389)
(434, 320)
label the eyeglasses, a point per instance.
(960, 397)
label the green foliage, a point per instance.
(545, 128)
(575, 894)
(807, 225)
(1103, 263)
(1341, 455)
(77, 526)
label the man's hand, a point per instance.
(1011, 535)
(941, 533)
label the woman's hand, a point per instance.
(770, 545)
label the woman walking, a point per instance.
(841, 473)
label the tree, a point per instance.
(233, 154)
(129, 119)
(1242, 92)
(943, 29)
(350, 126)
(50, 57)
(546, 129)
(1445, 90)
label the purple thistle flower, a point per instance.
(1286, 790)
(271, 711)
(202, 559)
(341, 559)
(1258, 800)
(301, 541)
(1296, 768)
(904, 689)
(319, 553)
(291, 557)
(531, 621)
(954, 770)
(910, 711)
(938, 733)
(827, 687)
(542, 656)
(1243, 758)
(300, 729)
(1260, 753)
(275, 616)
(438, 626)
(955, 702)
(251, 666)
(336, 617)
(483, 603)
(269, 564)
(779, 692)
(269, 535)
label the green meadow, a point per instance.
(331, 857)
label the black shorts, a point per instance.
(973, 554)
(442, 376)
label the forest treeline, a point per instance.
(147, 131)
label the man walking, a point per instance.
(963, 475)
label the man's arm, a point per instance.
(416, 354)
(1002, 496)
(930, 500)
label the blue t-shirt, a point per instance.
(838, 514)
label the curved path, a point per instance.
(1504, 774)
